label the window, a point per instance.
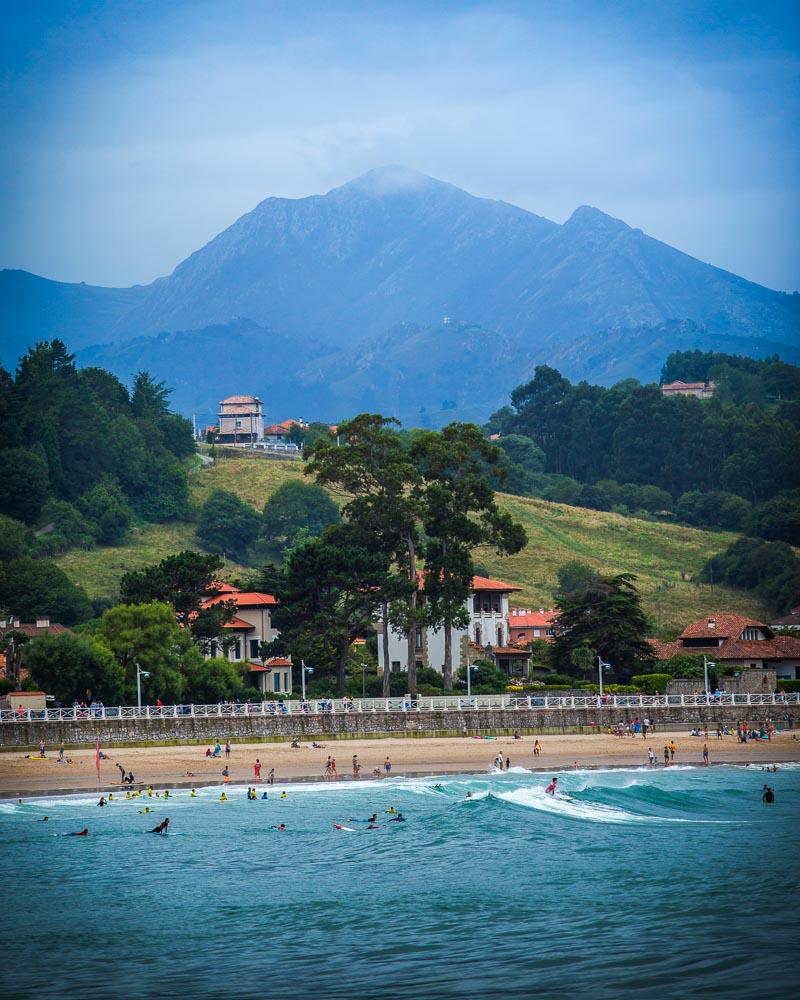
(499, 635)
(751, 634)
(476, 604)
(548, 631)
(395, 667)
(254, 649)
(478, 634)
(237, 650)
(418, 664)
(537, 632)
(277, 680)
(212, 648)
(496, 607)
(418, 639)
(238, 423)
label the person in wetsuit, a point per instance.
(768, 796)
(162, 827)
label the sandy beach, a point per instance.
(182, 766)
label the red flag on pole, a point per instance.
(97, 758)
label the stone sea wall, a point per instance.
(373, 724)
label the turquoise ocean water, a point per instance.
(678, 883)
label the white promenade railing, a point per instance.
(344, 706)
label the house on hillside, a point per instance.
(241, 420)
(792, 620)
(526, 625)
(701, 390)
(736, 641)
(486, 637)
(42, 626)
(245, 633)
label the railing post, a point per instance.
(174, 711)
(247, 709)
(191, 710)
(748, 698)
(683, 700)
(530, 702)
(147, 712)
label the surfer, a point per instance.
(102, 801)
(81, 833)
(769, 795)
(44, 819)
(551, 788)
(399, 818)
(162, 827)
(281, 827)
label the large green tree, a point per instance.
(24, 483)
(331, 589)
(293, 508)
(32, 587)
(606, 620)
(228, 525)
(73, 666)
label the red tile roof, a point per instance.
(781, 647)
(486, 583)
(32, 631)
(276, 429)
(532, 619)
(239, 624)
(273, 661)
(240, 399)
(242, 599)
(721, 626)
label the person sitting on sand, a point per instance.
(376, 772)
(551, 788)
(295, 744)
(162, 827)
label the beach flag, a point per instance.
(97, 758)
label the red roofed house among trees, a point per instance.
(736, 641)
(702, 390)
(241, 420)
(244, 634)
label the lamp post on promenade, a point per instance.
(139, 675)
(303, 671)
(600, 668)
(706, 664)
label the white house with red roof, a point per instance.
(245, 633)
(487, 635)
(526, 625)
(736, 641)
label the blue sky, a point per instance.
(133, 132)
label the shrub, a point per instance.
(788, 685)
(652, 683)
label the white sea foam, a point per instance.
(573, 808)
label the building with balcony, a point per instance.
(486, 637)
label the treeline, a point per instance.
(82, 455)
(728, 462)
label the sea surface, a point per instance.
(673, 883)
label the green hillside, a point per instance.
(657, 553)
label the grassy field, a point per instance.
(657, 553)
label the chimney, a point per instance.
(43, 623)
(15, 622)
(712, 622)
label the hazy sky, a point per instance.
(133, 132)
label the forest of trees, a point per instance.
(728, 462)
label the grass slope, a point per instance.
(656, 553)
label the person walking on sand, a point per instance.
(672, 749)
(537, 748)
(651, 757)
(257, 769)
(356, 766)
(645, 727)
(227, 748)
(387, 766)
(271, 777)
(666, 755)
(705, 754)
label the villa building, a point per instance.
(244, 635)
(241, 420)
(736, 641)
(486, 637)
(526, 625)
(701, 390)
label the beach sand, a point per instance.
(168, 766)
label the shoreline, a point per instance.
(346, 779)
(25, 775)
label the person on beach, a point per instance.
(705, 754)
(41, 748)
(387, 766)
(257, 769)
(217, 750)
(651, 757)
(61, 752)
(356, 765)
(645, 727)
(162, 827)
(769, 795)
(271, 776)
(227, 748)
(226, 773)
(551, 788)
(672, 749)
(537, 748)
(666, 755)
(508, 762)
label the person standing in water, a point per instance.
(769, 795)
(257, 769)
(651, 757)
(551, 788)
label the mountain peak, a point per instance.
(389, 180)
(586, 218)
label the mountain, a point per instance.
(363, 276)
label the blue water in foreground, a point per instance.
(678, 883)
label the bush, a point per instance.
(228, 525)
(652, 683)
(788, 685)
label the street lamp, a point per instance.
(600, 668)
(303, 671)
(706, 664)
(139, 674)
(470, 668)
